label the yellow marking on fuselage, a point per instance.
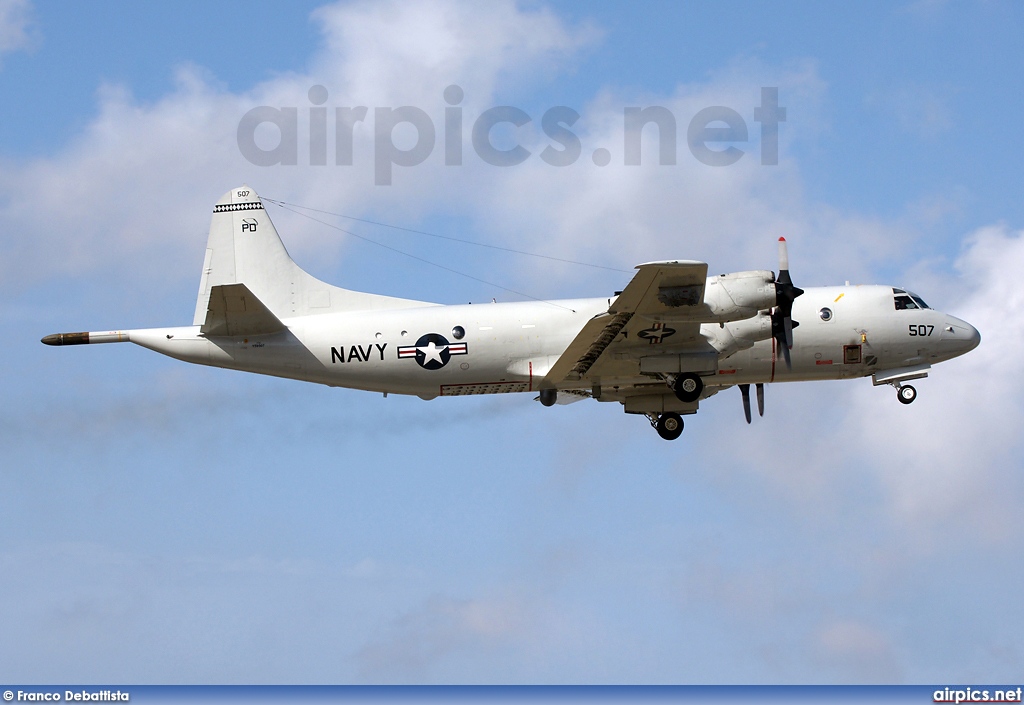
(839, 297)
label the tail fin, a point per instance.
(244, 248)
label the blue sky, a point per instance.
(163, 523)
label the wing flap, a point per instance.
(587, 346)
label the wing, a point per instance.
(652, 322)
(234, 310)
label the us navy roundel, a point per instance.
(432, 351)
(656, 333)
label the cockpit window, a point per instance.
(905, 300)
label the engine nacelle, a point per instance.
(729, 338)
(734, 297)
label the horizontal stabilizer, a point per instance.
(234, 310)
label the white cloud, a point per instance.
(389, 54)
(15, 25)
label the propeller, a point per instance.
(785, 294)
(782, 325)
(745, 391)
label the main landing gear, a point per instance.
(668, 425)
(688, 387)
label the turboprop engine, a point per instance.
(740, 295)
(743, 295)
(729, 338)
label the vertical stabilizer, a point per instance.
(244, 248)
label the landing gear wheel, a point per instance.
(670, 426)
(688, 387)
(906, 394)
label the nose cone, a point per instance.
(959, 337)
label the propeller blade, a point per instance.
(783, 341)
(745, 391)
(785, 293)
(760, 399)
(784, 289)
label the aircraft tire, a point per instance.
(688, 387)
(906, 394)
(670, 426)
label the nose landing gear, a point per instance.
(898, 378)
(906, 394)
(668, 425)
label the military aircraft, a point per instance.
(671, 338)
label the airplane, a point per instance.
(671, 338)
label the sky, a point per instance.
(168, 523)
